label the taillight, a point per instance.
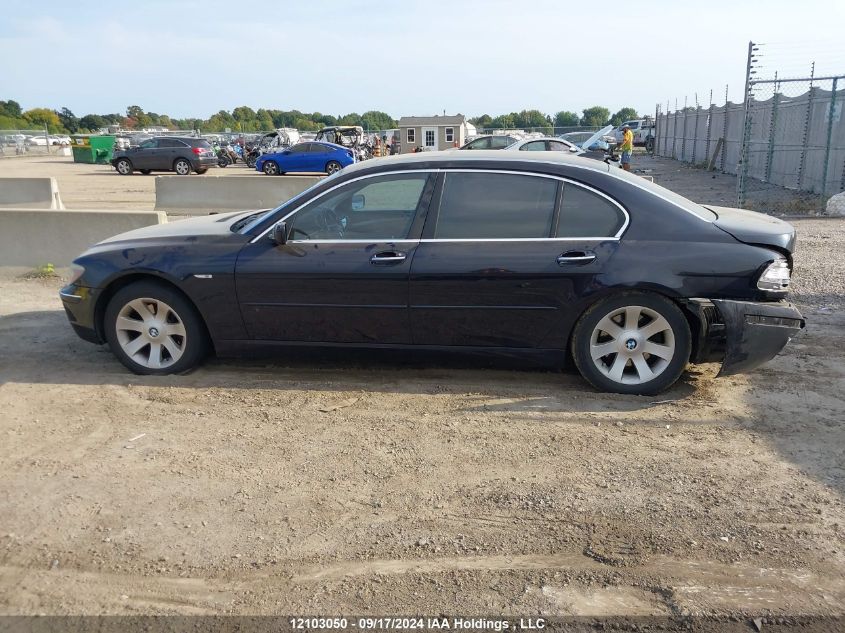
(197, 150)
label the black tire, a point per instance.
(250, 162)
(146, 172)
(194, 344)
(123, 166)
(333, 167)
(202, 171)
(649, 144)
(271, 168)
(182, 166)
(676, 338)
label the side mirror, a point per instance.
(280, 234)
(573, 149)
(358, 202)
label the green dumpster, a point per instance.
(92, 148)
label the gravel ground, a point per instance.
(361, 483)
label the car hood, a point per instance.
(589, 142)
(206, 225)
(755, 228)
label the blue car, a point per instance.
(326, 157)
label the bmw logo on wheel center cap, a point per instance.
(154, 332)
(631, 344)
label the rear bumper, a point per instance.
(205, 162)
(743, 334)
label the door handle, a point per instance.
(577, 258)
(388, 257)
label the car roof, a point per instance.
(408, 161)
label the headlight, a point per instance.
(76, 271)
(775, 277)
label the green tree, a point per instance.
(92, 122)
(134, 111)
(11, 109)
(625, 114)
(69, 121)
(503, 121)
(39, 117)
(565, 118)
(596, 116)
(483, 121)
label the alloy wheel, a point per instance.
(151, 333)
(183, 168)
(632, 345)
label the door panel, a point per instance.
(490, 270)
(343, 275)
(498, 294)
(325, 292)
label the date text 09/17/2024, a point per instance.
(415, 624)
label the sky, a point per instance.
(193, 58)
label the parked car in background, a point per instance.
(509, 252)
(491, 141)
(642, 129)
(181, 154)
(545, 144)
(308, 157)
(580, 138)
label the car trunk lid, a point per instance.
(755, 228)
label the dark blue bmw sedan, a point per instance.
(514, 252)
(308, 157)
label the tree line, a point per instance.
(245, 119)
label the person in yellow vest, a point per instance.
(626, 147)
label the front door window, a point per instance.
(381, 208)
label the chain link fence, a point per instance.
(793, 141)
(785, 142)
(26, 142)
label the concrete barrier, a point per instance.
(30, 193)
(32, 237)
(198, 195)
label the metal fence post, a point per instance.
(772, 131)
(675, 130)
(709, 128)
(695, 133)
(746, 131)
(829, 135)
(724, 155)
(684, 134)
(807, 117)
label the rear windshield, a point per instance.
(200, 142)
(671, 196)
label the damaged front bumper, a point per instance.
(743, 334)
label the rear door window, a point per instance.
(585, 213)
(534, 146)
(500, 142)
(495, 206)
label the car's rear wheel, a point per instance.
(633, 343)
(146, 172)
(153, 329)
(202, 171)
(333, 167)
(123, 166)
(271, 168)
(182, 167)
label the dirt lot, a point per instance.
(362, 483)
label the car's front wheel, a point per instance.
(153, 329)
(332, 167)
(123, 167)
(633, 343)
(182, 167)
(271, 168)
(146, 172)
